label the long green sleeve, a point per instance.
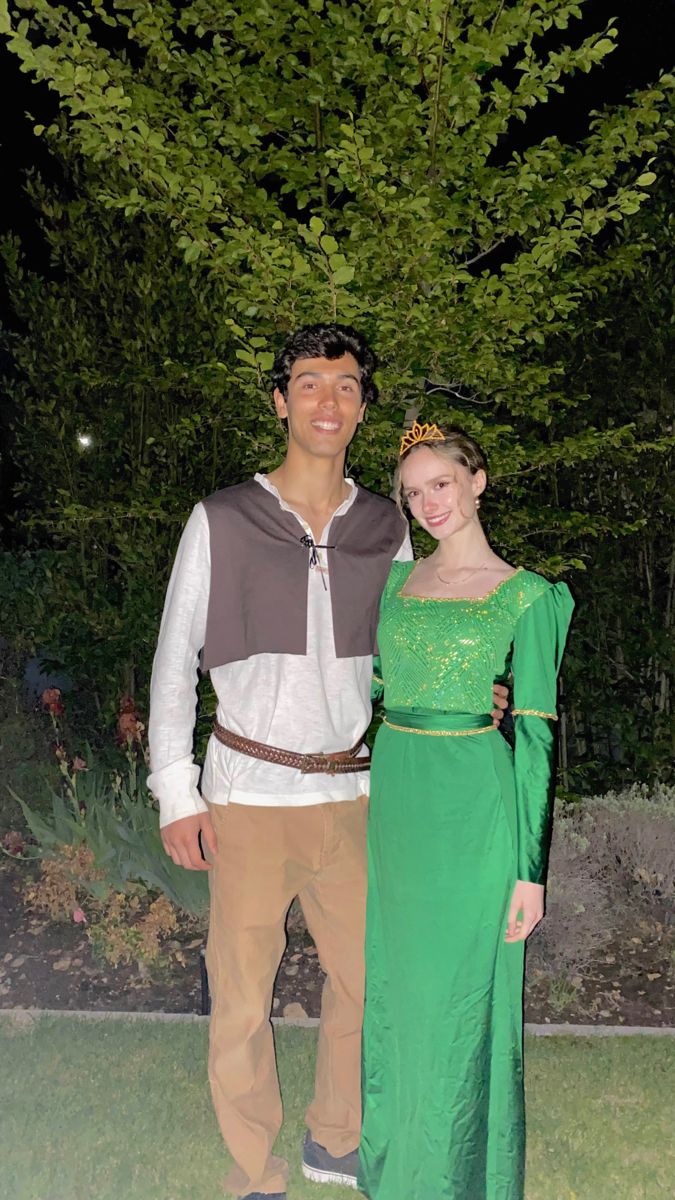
(538, 644)
(398, 573)
(377, 684)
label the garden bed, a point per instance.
(47, 964)
(95, 913)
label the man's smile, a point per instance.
(326, 425)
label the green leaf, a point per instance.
(40, 828)
(343, 275)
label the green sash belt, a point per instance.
(435, 721)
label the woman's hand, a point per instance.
(525, 911)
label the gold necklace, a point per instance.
(459, 582)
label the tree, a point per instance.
(356, 161)
(118, 424)
(240, 169)
(619, 674)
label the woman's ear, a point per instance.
(479, 483)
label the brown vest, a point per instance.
(259, 574)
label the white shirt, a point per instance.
(311, 703)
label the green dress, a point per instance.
(456, 818)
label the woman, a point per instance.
(458, 842)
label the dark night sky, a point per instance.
(646, 46)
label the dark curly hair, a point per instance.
(326, 341)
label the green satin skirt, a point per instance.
(442, 1047)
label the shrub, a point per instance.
(112, 815)
(103, 864)
(109, 811)
(26, 758)
(122, 926)
(609, 853)
(579, 918)
(133, 928)
(63, 879)
(633, 833)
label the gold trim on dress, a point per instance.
(376, 679)
(439, 732)
(533, 712)
(456, 599)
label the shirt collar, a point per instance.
(264, 481)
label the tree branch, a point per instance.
(433, 134)
(468, 262)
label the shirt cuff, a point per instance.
(175, 789)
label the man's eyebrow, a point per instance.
(317, 375)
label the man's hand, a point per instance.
(500, 699)
(528, 900)
(181, 841)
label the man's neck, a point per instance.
(313, 484)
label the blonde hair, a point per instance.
(456, 447)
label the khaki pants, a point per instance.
(266, 857)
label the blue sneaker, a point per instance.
(264, 1196)
(321, 1167)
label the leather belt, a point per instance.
(339, 762)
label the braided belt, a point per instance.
(338, 763)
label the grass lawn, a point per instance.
(120, 1111)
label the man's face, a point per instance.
(324, 404)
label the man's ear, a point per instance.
(362, 413)
(280, 404)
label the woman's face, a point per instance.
(440, 494)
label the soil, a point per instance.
(50, 965)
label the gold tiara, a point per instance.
(420, 433)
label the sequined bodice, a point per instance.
(446, 654)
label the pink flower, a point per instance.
(12, 842)
(129, 727)
(51, 700)
(79, 763)
(79, 917)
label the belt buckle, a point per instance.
(315, 760)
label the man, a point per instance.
(276, 584)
